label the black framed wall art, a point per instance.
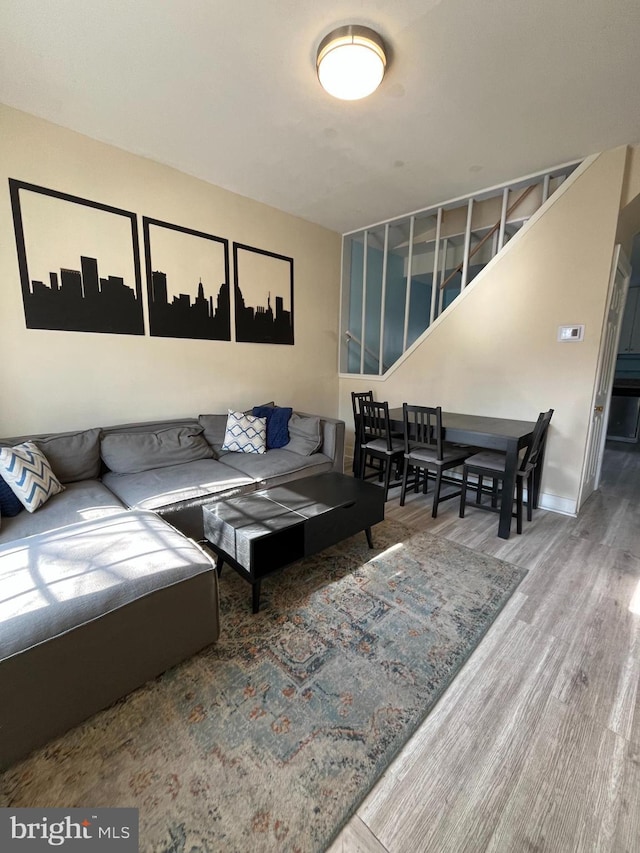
(79, 262)
(187, 282)
(263, 287)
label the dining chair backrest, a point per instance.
(423, 426)
(375, 421)
(358, 397)
(536, 447)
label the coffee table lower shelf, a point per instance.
(262, 532)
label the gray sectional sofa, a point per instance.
(105, 586)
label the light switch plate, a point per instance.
(567, 334)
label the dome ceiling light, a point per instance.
(351, 62)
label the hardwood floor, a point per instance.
(536, 745)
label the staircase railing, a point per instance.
(399, 276)
(489, 234)
(372, 355)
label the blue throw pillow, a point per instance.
(277, 424)
(10, 505)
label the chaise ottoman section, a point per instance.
(90, 612)
(85, 500)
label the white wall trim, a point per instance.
(476, 196)
(554, 503)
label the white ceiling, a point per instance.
(478, 92)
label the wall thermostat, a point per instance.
(570, 333)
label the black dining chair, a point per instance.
(491, 464)
(377, 442)
(426, 451)
(357, 397)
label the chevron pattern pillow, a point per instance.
(26, 471)
(245, 433)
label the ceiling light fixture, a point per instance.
(351, 62)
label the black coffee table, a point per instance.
(266, 530)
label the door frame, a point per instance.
(620, 263)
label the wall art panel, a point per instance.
(187, 282)
(79, 262)
(263, 286)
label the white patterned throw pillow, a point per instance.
(245, 433)
(27, 472)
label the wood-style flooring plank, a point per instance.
(572, 760)
(567, 586)
(601, 671)
(606, 519)
(356, 838)
(627, 835)
(621, 471)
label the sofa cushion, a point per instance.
(277, 419)
(214, 429)
(133, 452)
(73, 455)
(162, 487)
(306, 435)
(81, 501)
(9, 503)
(85, 571)
(245, 433)
(27, 472)
(149, 426)
(276, 465)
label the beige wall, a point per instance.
(53, 380)
(495, 351)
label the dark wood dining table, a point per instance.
(489, 433)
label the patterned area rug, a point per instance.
(270, 739)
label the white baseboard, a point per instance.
(554, 503)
